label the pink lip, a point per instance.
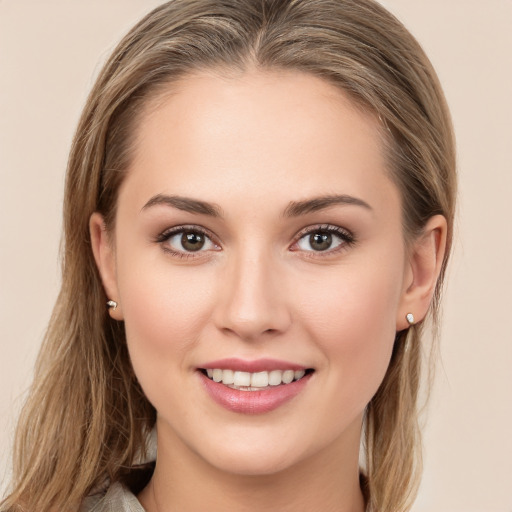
(253, 402)
(258, 365)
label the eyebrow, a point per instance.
(186, 204)
(294, 208)
(297, 208)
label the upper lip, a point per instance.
(257, 365)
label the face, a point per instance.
(258, 240)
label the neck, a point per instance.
(185, 482)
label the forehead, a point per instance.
(258, 133)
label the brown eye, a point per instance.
(320, 241)
(186, 241)
(192, 241)
(324, 239)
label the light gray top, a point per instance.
(117, 498)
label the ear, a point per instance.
(423, 266)
(104, 255)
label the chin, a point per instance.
(254, 464)
(254, 452)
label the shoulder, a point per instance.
(117, 498)
(120, 495)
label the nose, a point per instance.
(253, 300)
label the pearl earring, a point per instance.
(112, 304)
(410, 318)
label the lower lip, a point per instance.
(253, 402)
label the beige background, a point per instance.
(50, 52)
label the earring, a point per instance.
(410, 318)
(112, 304)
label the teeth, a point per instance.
(254, 381)
(288, 376)
(275, 377)
(259, 380)
(242, 379)
(299, 374)
(228, 377)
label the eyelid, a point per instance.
(164, 235)
(347, 237)
(344, 234)
(168, 233)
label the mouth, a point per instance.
(253, 387)
(255, 381)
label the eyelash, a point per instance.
(169, 233)
(347, 239)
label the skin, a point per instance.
(251, 145)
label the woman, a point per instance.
(258, 216)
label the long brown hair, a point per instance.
(86, 418)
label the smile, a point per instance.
(257, 381)
(253, 387)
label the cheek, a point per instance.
(164, 312)
(353, 320)
(354, 302)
